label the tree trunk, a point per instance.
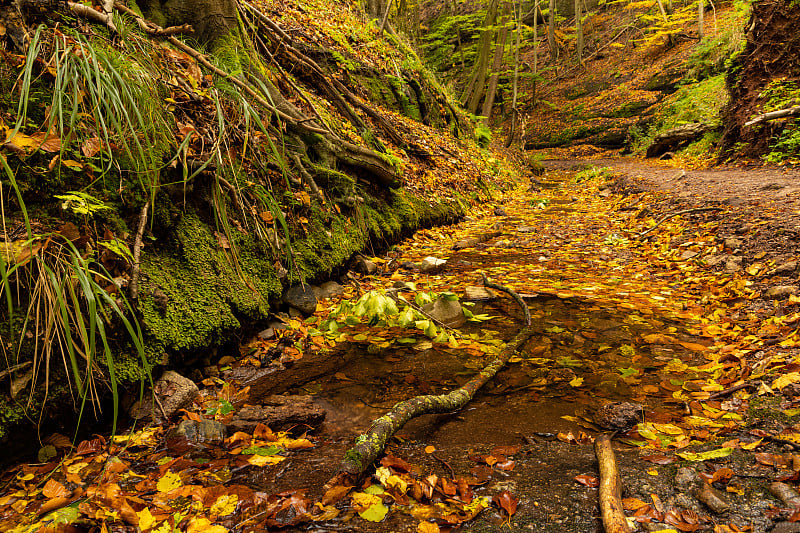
(700, 12)
(515, 82)
(578, 32)
(484, 49)
(497, 64)
(211, 19)
(551, 30)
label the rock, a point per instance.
(301, 297)
(686, 478)
(499, 211)
(448, 312)
(733, 264)
(279, 413)
(786, 527)
(527, 229)
(272, 327)
(210, 431)
(786, 269)
(712, 498)
(364, 266)
(404, 285)
(172, 392)
(478, 294)
(780, 291)
(260, 380)
(466, 243)
(431, 264)
(716, 260)
(688, 254)
(733, 243)
(618, 415)
(330, 289)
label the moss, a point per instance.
(193, 291)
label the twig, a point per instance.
(511, 293)
(675, 214)
(773, 115)
(445, 463)
(137, 251)
(610, 487)
(733, 389)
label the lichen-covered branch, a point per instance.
(517, 297)
(610, 488)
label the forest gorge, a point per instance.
(399, 265)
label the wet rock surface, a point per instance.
(297, 413)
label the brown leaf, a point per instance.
(91, 146)
(505, 450)
(91, 446)
(54, 489)
(395, 463)
(658, 459)
(589, 481)
(507, 502)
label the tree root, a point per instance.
(372, 443)
(675, 214)
(610, 488)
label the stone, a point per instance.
(786, 269)
(329, 289)
(466, 243)
(448, 312)
(733, 243)
(478, 294)
(301, 297)
(618, 415)
(527, 229)
(279, 413)
(733, 264)
(364, 266)
(499, 211)
(780, 291)
(432, 264)
(716, 260)
(202, 431)
(786, 527)
(686, 478)
(688, 254)
(172, 392)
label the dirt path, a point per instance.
(665, 323)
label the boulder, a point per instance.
(302, 298)
(364, 266)
(172, 392)
(618, 415)
(448, 312)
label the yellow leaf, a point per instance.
(428, 527)
(203, 525)
(225, 505)
(146, 520)
(577, 382)
(168, 482)
(752, 445)
(652, 472)
(430, 449)
(262, 460)
(786, 379)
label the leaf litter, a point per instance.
(620, 318)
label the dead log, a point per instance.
(610, 488)
(774, 115)
(675, 138)
(371, 444)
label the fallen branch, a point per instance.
(371, 444)
(731, 390)
(137, 252)
(774, 115)
(678, 213)
(511, 293)
(610, 488)
(89, 13)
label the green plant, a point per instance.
(787, 147)
(67, 310)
